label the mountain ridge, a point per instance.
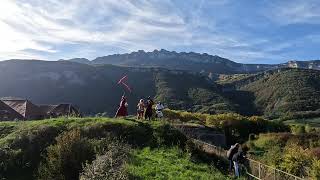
(191, 61)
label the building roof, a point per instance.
(60, 108)
(24, 107)
(47, 108)
(14, 108)
(7, 110)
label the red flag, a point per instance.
(122, 81)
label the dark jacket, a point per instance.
(239, 157)
(231, 152)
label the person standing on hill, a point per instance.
(233, 150)
(159, 107)
(122, 110)
(148, 113)
(237, 159)
(140, 109)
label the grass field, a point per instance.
(169, 163)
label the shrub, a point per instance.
(65, 158)
(296, 160)
(310, 129)
(273, 156)
(315, 152)
(110, 165)
(24, 151)
(298, 129)
(236, 127)
(314, 171)
(221, 120)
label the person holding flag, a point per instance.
(123, 107)
(122, 110)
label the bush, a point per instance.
(24, 151)
(316, 152)
(314, 171)
(110, 165)
(296, 160)
(273, 157)
(298, 129)
(65, 158)
(236, 127)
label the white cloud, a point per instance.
(56, 29)
(129, 26)
(294, 11)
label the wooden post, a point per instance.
(259, 170)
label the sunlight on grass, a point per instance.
(11, 130)
(169, 163)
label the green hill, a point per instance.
(284, 92)
(98, 148)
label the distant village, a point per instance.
(23, 109)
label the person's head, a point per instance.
(141, 101)
(149, 97)
(159, 102)
(245, 149)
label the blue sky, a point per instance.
(247, 31)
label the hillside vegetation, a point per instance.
(288, 91)
(96, 148)
(236, 128)
(170, 163)
(297, 152)
(285, 93)
(94, 88)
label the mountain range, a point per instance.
(212, 85)
(191, 62)
(95, 89)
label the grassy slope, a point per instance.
(19, 136)
(169, 163)
(10, 130)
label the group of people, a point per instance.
(144, 108)
(236, 155)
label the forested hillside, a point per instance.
(284, 92)
(95, 89)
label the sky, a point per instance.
(246, 31)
